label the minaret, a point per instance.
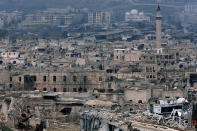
(158, 28)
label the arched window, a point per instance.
(140, 101)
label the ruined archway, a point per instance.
(66, 111)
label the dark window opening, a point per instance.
(19, 79)
(26, 79)
(66, 111)
(85, 90)
(55, 89)
(44, 89)
(100, 78)
(194, 112)
(34, 78)
(170, 109)
(54, 78)
(64, 89)
(109, 85)
(101, 90)
(74, 78)
(44, 78)
(80, 89)
(10, 78)
(110, 90)
(111, 78)
(74, 89)
(10, 85)
(85, 79)
(64, 78)
(177, 97)
(112, 127)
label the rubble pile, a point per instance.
(126, 117)
(164, 120)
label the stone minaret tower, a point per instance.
(158, 28)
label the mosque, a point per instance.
(136, 16)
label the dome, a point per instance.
(127, 13)
(141, 13)
(134, 12)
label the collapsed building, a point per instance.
(31, 110)
(107, 116)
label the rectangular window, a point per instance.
(26, 79)
(10, 78)
(64, 90)
(74, 89)
(34, 78)
(44, 78)
(19, 79)
(64, 78)
(54, 78)
(100, 78)
(122, 57)
(109, 85)
(74, 78)
(85, 79)
(10, 85)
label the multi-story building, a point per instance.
(9, 17)
(99, 18)
(90, 18)
(50, 17)
(68, 19)
(127, 55)
(60, 81)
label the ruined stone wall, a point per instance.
(174, 94)
(137, 95)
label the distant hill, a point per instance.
(41, 4)
(29, 5)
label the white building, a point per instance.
(134, 15)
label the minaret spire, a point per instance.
(158, 8)
(158, 27)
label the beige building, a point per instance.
(10, 55)
(80, 62)
(137, 95)
(60, 81)
(127, 55)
